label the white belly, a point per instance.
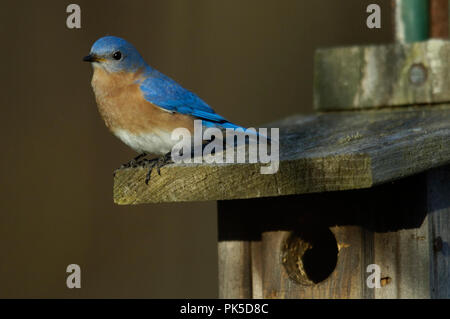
(158, 143)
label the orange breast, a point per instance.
(122, 105)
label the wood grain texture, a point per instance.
(256, 262)
(358, 219)
(439, 19)
(321, 152)
(346, 281)
(403, 257)
(439, 231)
(376, 76)
(235, 276)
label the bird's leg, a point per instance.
(158, 163)
(134, 161)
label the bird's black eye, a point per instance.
(117, 55)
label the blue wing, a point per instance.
(164, 92)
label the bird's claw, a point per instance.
(135, 161)
(150, 163)
(131, 163)
(157, 163)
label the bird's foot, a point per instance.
(157, 163)
(134, 162)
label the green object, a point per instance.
(412, 20)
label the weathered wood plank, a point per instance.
(403, 257)
(235, 277)
(256, 262)
(439, 19)
(439, 231)
(321, 152)
(374, 76)
(355, 218)
(235, 253)
(346, 281)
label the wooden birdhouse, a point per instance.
(360, 205)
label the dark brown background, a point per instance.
(249, 59)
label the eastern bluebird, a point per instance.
(140, 105)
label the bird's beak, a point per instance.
(91, 58)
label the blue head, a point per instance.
(115, 55)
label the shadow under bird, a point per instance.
(142, 106)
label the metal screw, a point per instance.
(417, 74)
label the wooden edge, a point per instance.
(180, 183)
